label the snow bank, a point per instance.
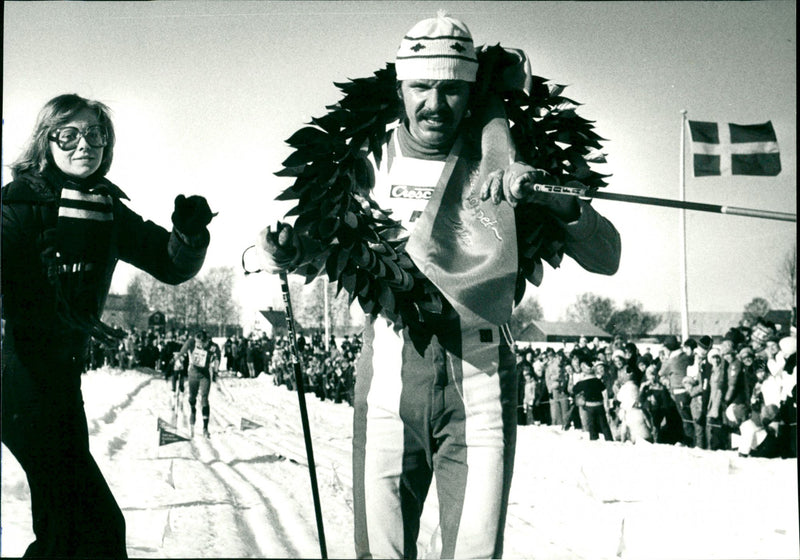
(247, 492)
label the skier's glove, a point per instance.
(279, 248)
(516, 184)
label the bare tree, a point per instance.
(591, 308)
(219, 305)
(202, 301)
(785, 282)
(527, 311)
(135, 301)
(632, 320)
(758, 307)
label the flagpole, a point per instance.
(682, 233)
(326, 318)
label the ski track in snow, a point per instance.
(246, 492)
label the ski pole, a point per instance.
(669, 203)
(298, 375)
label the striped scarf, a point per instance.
(85, 217)
(83, 243)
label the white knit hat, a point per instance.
(438, 48)
(788, 345)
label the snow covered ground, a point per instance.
(246, 492)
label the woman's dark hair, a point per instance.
(36, 155)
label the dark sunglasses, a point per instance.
(68, 137)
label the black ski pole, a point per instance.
(298, 376)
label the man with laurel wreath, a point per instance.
(435, 237)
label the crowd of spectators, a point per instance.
(328, 370)
(740, 394)
(141, 348)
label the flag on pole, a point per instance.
(734, 149)
(249, 424)
(165, 437)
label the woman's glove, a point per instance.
(191, 215)
(279, 248)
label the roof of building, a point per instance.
(278, 319)
(564, 328)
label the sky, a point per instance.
(204, 95)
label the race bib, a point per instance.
(199, 357)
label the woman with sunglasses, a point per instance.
(64, 227)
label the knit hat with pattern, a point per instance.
(438, 48)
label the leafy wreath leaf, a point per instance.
(360, 246)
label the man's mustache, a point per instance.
(444, 115)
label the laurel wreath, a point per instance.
(360, 246)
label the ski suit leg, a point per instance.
(448, 411)
(194, 388)
(474, 430)
(204, 389)
(391, 459)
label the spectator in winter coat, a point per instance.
(758, 434)
(250, 357)
(528, 397)
(788, 347)
(583, 349)
(673, 371)
(788, 406)
(716, 431)
(632, 361)
(541, 400)
(740, 378)
(524, 377)
(697, 387)
(628, 398)
(64, 228)
(761, 332)
(175, 365)
(774, 357)
(556, 380)
(591, 392)
(660, 409)
(618, 369)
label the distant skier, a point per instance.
(203, 360)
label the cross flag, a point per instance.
(734, 149)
